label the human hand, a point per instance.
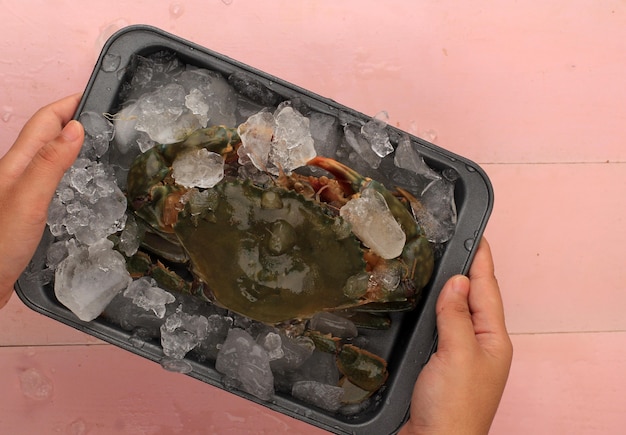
(460, 387)
(29, 174)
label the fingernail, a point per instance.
(457, 283)
(71, 131)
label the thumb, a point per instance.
(454, 320)
(39, 180)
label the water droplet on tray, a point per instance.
(120, 73)
(176, 365)
(469, 244)
(470, 168)
(136, 341)
(110, 62)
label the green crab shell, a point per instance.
(270, 254)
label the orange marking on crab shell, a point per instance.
(171, 207)
(371, 259)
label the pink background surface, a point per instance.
(532, 91)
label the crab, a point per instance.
(277, 253)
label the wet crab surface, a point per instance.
(269, 252)
(278, 252)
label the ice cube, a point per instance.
(105, 217)
(198, 168)
(196, 102)
(361, 146)
(56, 253)
(295, 352)
(131, 237)
(163, 116)
(275, 143)
(375, 131)
(99, 132)
(146, 294)
(373, 223)
(125, 122)
(218, 327)
(326, 132)
(323, 396)
(88, 204)
(272, 342)
(209, 96)
(436, 209)
(151, 72)
(318, 366)
(292, 145)
(243, 360)
(97, 126)
(407, 157)
(181, 332)
(145, 325)
(256, 139)
(88, 279)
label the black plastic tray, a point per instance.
(412, 339)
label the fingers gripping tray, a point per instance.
(410, 340)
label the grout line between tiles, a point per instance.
(513, 334)
(604, 162)
(55, 345)
(568, 332)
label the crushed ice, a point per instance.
(278, 142)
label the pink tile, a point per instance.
(105, 390)
(559, 383)
(565, 384)
(21, 326)
(557, 233)
(514, 82)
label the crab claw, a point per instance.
(341, 172)
(362, 368)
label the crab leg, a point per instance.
(364, 369)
